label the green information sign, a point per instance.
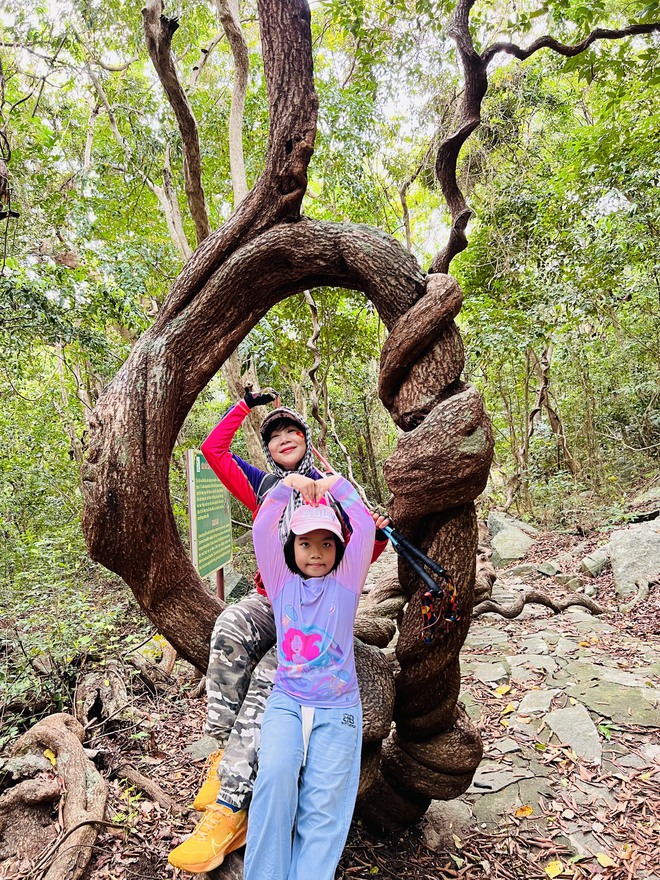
(210, 516)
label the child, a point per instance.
(309, 761)
(243, 634)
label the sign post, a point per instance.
(210, 519)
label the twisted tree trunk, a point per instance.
(264, 253)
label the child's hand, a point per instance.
(381, 520)
(305, 485)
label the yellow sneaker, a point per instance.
(218, 833)
(208, 793)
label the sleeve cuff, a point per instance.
(341, 489)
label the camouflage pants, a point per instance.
(239, 679)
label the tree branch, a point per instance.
(569, 51)
(277, 195)
(159, 31)
(468, 118)
(228, 15)
(312, 345)
(475, 72)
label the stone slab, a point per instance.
(200, 749)
(594, 563)
(549, 568)
(624, 705)
(536, 702)
(565, 647)
(443, 820)
(535, 645)
(492, 776)
(506, 746)
(498, 521)
(489, 673)
(491, 810)
(627, 679)
(480, 634)
(574, 727)
(527, 569)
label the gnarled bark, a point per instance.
(264, 253)
(83, 805)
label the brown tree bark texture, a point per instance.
(263, 254)
(86, 792)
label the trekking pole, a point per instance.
(438, 602)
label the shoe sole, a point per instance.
(237, 841)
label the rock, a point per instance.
(534, 662)
(535, 645)
(237, 586)
(524, 570)
(594, 563)
(635, 557)
(574, 727)
(443, 820)
(567, 579)
(492, 776)
(536, 702)
(508, 545)
(622, 703)
(549, 568)
(489, 673)
(498, 521)
(651, 752)
(481, 634)
(566, 646)
(505, 746)
(200, 749)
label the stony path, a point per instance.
(569, 711)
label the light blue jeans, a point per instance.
(318, 798)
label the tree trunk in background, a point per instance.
(377, 494)
(236, 382)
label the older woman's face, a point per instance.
(288, 446)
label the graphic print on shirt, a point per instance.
(306, 652)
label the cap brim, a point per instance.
(306, 528)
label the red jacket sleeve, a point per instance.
(241, 478)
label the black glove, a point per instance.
(259, 398)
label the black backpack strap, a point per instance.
(268, 482)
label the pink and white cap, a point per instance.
(307, 519)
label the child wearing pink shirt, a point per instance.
(311, 736)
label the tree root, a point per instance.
(536, 597)
(49, 853)
(148, 786)
(83, 807)
(642, 594)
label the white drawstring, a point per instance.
(307, 724)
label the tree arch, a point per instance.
(264, 253)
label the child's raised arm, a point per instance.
(265, 535)
(352, 571)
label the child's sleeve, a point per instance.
(241, 478)
(267, 545)
(352, 571)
